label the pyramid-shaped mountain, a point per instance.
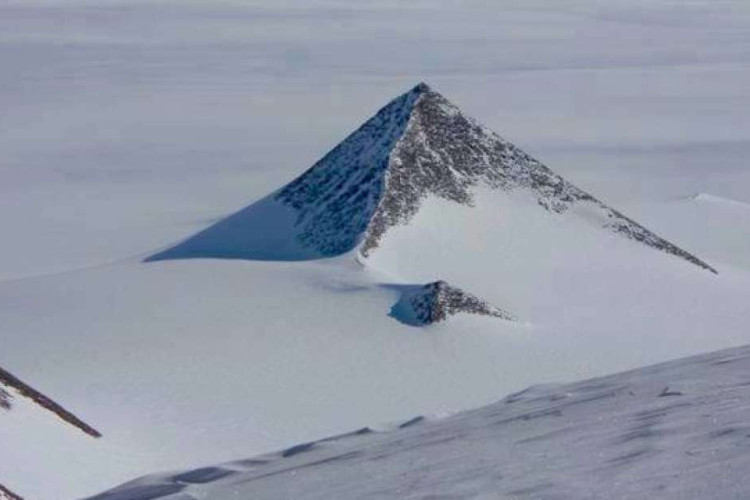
(418, 146)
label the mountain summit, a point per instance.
(418, 146)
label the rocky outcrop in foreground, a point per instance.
(6, 494)
(9, 381)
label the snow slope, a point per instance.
(712, 225)
(677, 430)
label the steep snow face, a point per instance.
(421, 145)
(677, 430)
(435, 302)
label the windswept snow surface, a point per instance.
(677, 430)
(127, 126)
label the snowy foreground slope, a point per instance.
(677, 430)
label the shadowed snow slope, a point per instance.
(678, 430)
(322, 213)
(263, 231)
(418, 146)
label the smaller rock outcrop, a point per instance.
(436, 301)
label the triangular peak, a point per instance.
(417, 146)
(421, 88)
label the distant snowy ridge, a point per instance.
(677, 430)
(10, 384)
(712, 198)
(435, 302)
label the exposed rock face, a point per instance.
(444, 153)
(9, 381)
(6, 494)
(4, 399)
(421, 145)
(337, 197)
(436, 301)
